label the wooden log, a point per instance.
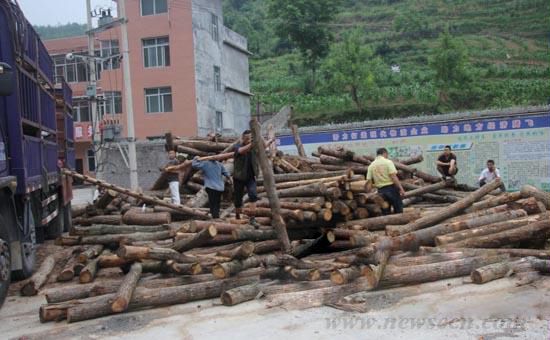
(72, 268)
(121, 229)
(435, 271)
(78, 210)
(269, 184)
(496, 201)
(82, 291)
(453, 209)
(126, 238)
(241, 294)
(498, 270)
(426, 189)
(227, 269)
(345, 275)
(425, 259)
(483, 230)
(88, 273)
(440, 198)
(378, 223)
(254, 235)
(328, 167)
(412, 241)
(337, 152)
(267, 246)
(192, 151)
(39, 278)
(106, 198)
(291, 177)
(102, 219)
(131, 217)
(146, 298)
(363, 239)
(539, 229)
(124, 294)
(133, 253)
(294, 205)
(199, 239)
(90, 253)
(297, 215)
(315, 189)
(241, 252)
(531, 191)
(148, 199)
(111, 261)
(513, 252)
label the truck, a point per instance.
(36, 142)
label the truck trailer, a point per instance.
(36, 142)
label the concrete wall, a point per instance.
(150, 156)
(235, 107)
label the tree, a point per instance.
(352, 67)
(304, 23)
(450, 63)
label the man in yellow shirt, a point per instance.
(383, 175)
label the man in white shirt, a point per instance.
(489, 174)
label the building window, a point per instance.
(152, 7)
(156, 52)
(111, 103)
(158, 99)
(81, 111)
(215, 30)
(217, 78)
(219, 121)
(110, 48)
(91, 160)
(73, 71)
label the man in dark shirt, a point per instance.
(446, 163)
(244, 175)
(172, 176)
(245, 170)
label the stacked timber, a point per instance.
(336, 241)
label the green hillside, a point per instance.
(506, 43)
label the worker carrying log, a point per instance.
(446, 163)
(383, 175)
(173, 177)
(214, 173)
(245, 170)
(489, 174)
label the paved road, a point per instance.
(440, 310)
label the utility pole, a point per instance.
(128, 96)
(92, 93)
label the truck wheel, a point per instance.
(5, 262)
(56, 226)
(67, 218)
(28, 245)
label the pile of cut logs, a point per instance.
(339, 243)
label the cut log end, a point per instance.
(119, 305)
(219, 272)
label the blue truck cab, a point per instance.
(36, 141)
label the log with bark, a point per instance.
(120, 229)
(380, 222)
(39, 278)
(269, 184)
(126, 238)
(531, 191)
(123, 296)
(532, 231)
(199, 239)
(133, 217)
(95, 307)
(88, 273)
(451, 210)
(411, 241)
(133, 253)
(90, 253)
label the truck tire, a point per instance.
(28, 245)
(5, 262)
